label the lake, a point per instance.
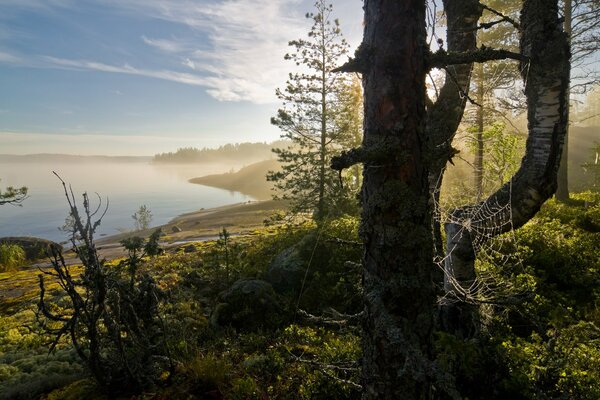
(165, 190)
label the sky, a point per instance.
(137, 77)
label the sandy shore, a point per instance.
(204, 224)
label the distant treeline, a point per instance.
(246, 152)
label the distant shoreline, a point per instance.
(200, 225)
(51, 157)
(250, 180)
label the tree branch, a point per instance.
(348, 159)
(502, 16)
(358, 63)
(441, 58)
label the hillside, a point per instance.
(249, 180)
(237, 152)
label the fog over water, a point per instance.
(127, 184)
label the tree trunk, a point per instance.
(562, 191)
(445, 115)
(547, 84)
(479, 133)
(399, 294)
(323, 151)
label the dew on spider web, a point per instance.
(494, 243)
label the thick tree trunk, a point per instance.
(399, 294)
(445, 115)
(547, 83)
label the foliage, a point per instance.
(26, 370)
(593, 167)
(112, 320)
(349, 117)
(307, 119)
(142, 218)
(11, 256)
(503, 151)
(138, 248)
(545, 345)
(12, 195)
(589, 114)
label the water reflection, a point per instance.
(127, 185)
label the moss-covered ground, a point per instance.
(542, 344)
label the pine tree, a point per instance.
(311, 99)
(12, 195)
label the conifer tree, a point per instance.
(12, 195)
(311, 100)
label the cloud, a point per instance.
(8, 58)
(166, 45)
(232, 48)
(189, 63)
(35, 4)
(247, 40)
(174, 76)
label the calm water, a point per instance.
(128, 185)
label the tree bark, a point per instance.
(479, 134)
(547, 84)
(399, 295)
(446, 113)
(562, 191)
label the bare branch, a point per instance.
(441, 58)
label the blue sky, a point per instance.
(135, 77)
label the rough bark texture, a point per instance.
(562, 190)
(399, 293)
(547, 82)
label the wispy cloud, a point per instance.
(174, 76)
(189, 63)
(166, 45)
(35, 4)
(232, 48)
(247, 40)
(8, 58)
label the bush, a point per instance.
(11, 257)
(111, 313)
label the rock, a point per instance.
(176, 229)
(190, 249)
(248, 304)
(35, 248)
(287, 270)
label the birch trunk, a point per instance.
(547, 82)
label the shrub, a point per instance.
(11, 257)
(111, 314)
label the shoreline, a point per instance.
(200, 225)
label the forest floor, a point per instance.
(198, 226)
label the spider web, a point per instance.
(497, 263)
